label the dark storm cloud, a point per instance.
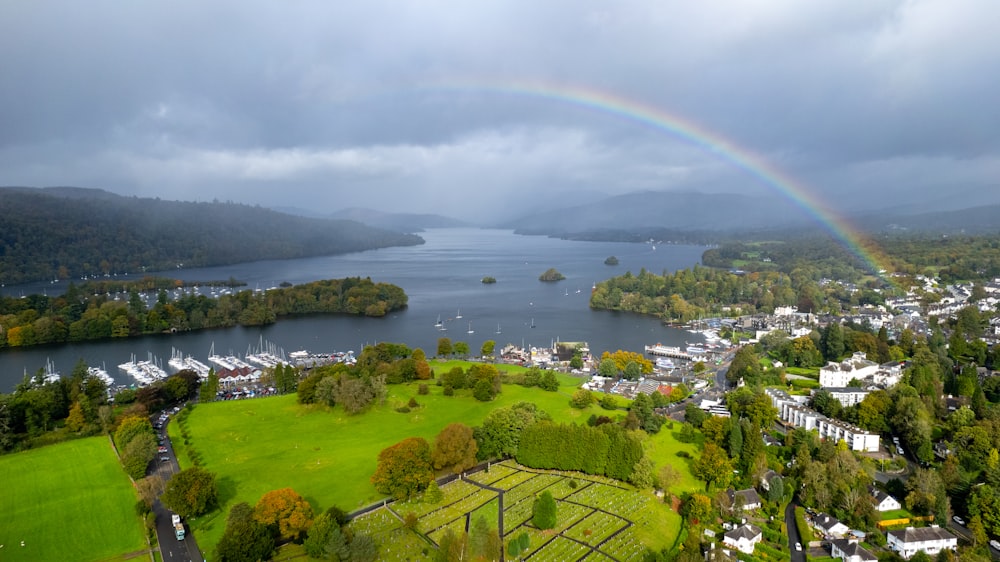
(344, 104)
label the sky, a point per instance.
(467, 108)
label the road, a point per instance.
(793, 534)
(171, 549)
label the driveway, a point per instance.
(793, 534)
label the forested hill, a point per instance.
(70, 232)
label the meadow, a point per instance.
(68, 501)
(327, 456)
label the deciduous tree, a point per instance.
(285, 511)
(444, 348)
(713, 467)
(454, 448)
(191, 492)
(404, 469)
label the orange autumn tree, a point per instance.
(404, 469)
(286, 511)
(455, 448)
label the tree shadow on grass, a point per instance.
(227, 489)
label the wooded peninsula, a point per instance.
(81, 314)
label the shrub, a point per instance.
(423, 389)
(403, 409)
(413, 403)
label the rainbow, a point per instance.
(693, 133)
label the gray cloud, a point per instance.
(409, 105)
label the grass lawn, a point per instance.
(69, 501)
(663, 447)
(812, 373)
(258, 445)
(894, 514)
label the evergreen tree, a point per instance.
(735, 440)
(833, 342)
(544, 511)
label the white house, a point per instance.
(883, 501)
(744, 538)
(830, 525)
(850, 551)
(841, 374)
(746, 500)
(910, 540)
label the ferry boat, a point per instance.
(665, 363)
(667, 351)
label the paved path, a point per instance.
(171, 549)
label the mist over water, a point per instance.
(443, 278)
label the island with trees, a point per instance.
(551, 275)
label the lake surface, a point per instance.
(442, 278)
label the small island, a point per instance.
(551, 275)
(488, 280)
(612, 260)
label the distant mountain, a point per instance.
(704, 217)
(665, 210)
(70, 232)
(975, 220)
(398, 222)
(401, 222)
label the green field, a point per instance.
(327, 456)
(69, 501)
(255, 446)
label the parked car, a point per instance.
(958, 520)
(798, 547)
(995, 544)
(164, 459)
(161, 449)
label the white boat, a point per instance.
(471, 331)
(176, 360)
(665, 363)
(51, 374)
(458, 314)
(498, 328)
(438, 324)
(102, 374)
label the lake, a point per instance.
(443, 278)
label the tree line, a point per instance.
(82, 316)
